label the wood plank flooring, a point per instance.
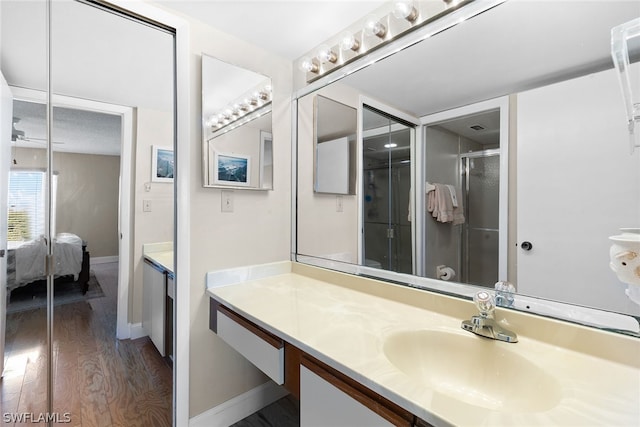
(281, 413)
(98, 380)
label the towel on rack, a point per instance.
(440, 205)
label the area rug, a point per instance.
(34, 296)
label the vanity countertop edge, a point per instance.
(344, 325)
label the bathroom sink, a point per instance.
(478, 371)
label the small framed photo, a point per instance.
(232, 169)
(162, 164)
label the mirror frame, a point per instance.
(572, 313)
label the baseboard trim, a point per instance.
(136, 331)
(104, 259)
(239, 407)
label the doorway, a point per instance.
(466, 155)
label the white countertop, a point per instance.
(160, 254)
(347, 329)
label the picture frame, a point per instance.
(162, 164)
(232, 169)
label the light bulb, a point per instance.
(373, 27)
(325, 54)
(309, 65)
(390, 145)
(405, 9)
(349, 42)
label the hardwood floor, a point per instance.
(281, 413)
(98, 380)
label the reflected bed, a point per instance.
(26, 261)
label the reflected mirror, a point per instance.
(237, 124)
(335, 146)
(538, 154)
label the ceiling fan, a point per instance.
(19, 135)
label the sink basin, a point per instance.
(478, 371)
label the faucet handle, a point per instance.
(484, 302)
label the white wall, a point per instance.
(577, 185)
(257, 231)
(153, 127)
(322, 231)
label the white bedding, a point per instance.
(29, 260)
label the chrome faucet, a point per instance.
(484, 324)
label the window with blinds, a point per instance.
(26, 202)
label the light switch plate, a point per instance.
(227, 200)
(146, 206)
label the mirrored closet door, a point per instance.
(90, 102)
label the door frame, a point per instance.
(501, 104)
(123, 326)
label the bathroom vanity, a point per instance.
(354, 348)
(158, 295)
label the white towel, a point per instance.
(440, 204)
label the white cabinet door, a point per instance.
(323, 404)
(153, 305)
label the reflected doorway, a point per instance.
(465, 153)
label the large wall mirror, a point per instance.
(236, 127)
(525, 135)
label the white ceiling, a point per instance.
(288, 28)
(518, 45)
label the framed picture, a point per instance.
(232, 169)
(162, 164)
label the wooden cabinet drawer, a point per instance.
(261, 348)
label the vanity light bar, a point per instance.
(377, 31)
(246, 104)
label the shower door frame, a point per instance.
(416, 226)
(502, 105)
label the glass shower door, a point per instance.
(481, 191)
(387, 238)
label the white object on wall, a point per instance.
(625, 261)
(332, 166)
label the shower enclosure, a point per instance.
(464, 153)
(480, 173)
(386, 160)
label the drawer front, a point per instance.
(323, 404)
(265, 355)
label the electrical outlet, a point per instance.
(146, 206)
(227, 200)
(339, 204)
